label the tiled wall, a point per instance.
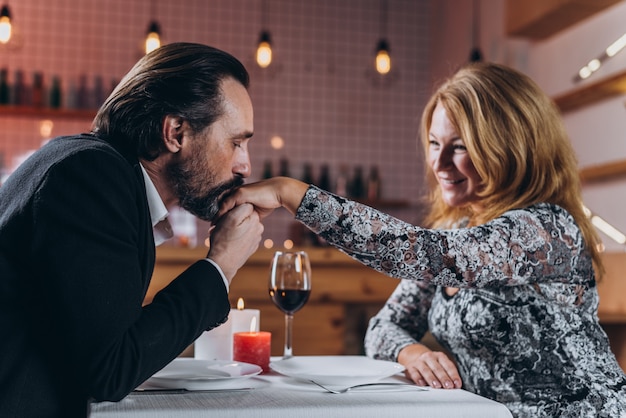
(320, 94)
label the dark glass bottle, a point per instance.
(20, 89)
(4, 87)
(373, 184)
(55, 93)
(341, 184)
(324, 180)
(307, 174)
(357, 184)
(83, 93)
(284, 168)
(267, 170)
(38, 90)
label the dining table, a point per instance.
(274, 395)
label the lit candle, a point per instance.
(253, 347)
(241, 318)
(217, 344)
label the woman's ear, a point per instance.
(173, 133)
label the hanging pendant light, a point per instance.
(475, 54)
(264, 50)
(383, 59)
(5, 24)
(153, 38)
(153, 35)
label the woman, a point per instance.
(504, 277)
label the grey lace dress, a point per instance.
(523, 329)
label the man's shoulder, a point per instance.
(67, 145)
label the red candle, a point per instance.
(253, 347)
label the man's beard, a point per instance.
(195, 187)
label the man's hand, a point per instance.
(429, 368)
(235, 238)
(267, 195)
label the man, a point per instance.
(77, 246)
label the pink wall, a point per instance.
(319, 95)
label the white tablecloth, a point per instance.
(275, 396)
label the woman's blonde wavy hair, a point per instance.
(517, 142)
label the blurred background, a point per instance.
(321, 104)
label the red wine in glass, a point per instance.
(288, 300)
(290, 287)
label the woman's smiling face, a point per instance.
(448, 157)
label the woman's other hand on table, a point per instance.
(429, 368)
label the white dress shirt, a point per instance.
(161, 226)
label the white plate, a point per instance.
(336, 370)
(195, 374)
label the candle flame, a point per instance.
(253, 324)
(240, 304)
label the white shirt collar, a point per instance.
(158, 212)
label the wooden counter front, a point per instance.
(345, 294)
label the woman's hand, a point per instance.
(429, 368)
(268, 195)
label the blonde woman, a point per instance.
(502, 274)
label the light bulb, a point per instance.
(383, 60)
(5, 25)
(264, 51)
(153, 40)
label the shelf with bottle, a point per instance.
(46, 112)
(47, 98)
(358, 187)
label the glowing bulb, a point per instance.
(5, 25)
(264, 51)
(45, 128)
(264, 55)
(608, 229)
(594, 64)
(584, 72)
(383, 60)
(268, 243)
(616, 46)
(276, 142)
(288, 244)
(153, 41)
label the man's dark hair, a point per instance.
(179, 79)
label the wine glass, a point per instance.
(290, 287)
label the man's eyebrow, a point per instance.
(246, 134)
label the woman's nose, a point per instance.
(440, 160)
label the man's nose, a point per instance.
(243, 168)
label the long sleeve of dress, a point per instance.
(401, 322)
(521, 246)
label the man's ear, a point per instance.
(173, 133)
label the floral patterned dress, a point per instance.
(523, 328)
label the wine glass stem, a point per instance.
(288, 336)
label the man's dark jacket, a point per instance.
(76, 257)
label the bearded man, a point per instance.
(79, 221)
